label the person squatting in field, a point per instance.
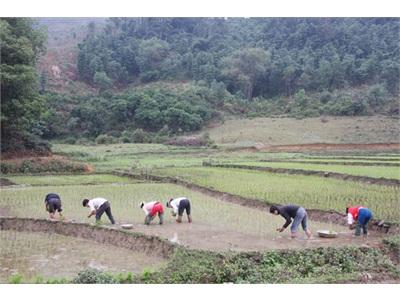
(151, 209)
(299, 215)
(53, 204)
(97, 207)
(360, 214)
(178, 206)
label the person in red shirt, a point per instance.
(361, 215)
(151, 209)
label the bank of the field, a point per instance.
(320, 265)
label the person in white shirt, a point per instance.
(97, 207)
(151, 209)
(178, 206)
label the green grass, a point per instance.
(308, 191)
(286, 131)
(369, 171)
(106, 158)
(58, 180)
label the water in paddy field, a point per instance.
(56, 256)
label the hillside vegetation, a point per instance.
(151, 79)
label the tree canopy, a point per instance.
(21, 104)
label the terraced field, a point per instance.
(309, 191)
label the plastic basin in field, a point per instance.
(327, 233)
(127, 226)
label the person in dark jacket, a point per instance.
(53, 205)
(289, 212)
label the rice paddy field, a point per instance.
(390, 172)
(308, 191)
(39, 256)
(218, 226)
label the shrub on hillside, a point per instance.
(105, 139)
(41, 165)
(191, 141)
(90, 276)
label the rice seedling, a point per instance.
(369, 171)
(308, 191)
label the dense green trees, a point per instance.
(21, 104)
(153, 110)
(256, 57)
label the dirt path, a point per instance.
(216, 238)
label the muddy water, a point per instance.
(56, 256)
(204, 236)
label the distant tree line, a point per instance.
(252, 57)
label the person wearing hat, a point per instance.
(151, 209)
(178, 206)
(361, 215)
(97, 207)
(289, 212)
(53, 205)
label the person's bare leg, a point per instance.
(179, 219)
(52, 216)
(308, 233)
(293, 235)
(189, 218)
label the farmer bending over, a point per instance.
(288, 212)
(151, 209)
(179, 205)
(53, 204)
(360, 214)
(97, 207)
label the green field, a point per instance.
(107, 158)
(288, 131)
(369, 171)
(309, 191)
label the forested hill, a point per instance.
(149, 79)
(252, 57)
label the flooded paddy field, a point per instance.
(34, 255)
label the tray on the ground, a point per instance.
(127, 226)
(327, 233)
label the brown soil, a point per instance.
(5, 182)
(5, 211)
(212, 237)
(330, 147)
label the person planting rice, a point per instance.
(299, 215)
(151, 209)
(178, 206)
(53, 204)
(97, 207)
(360, 214)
